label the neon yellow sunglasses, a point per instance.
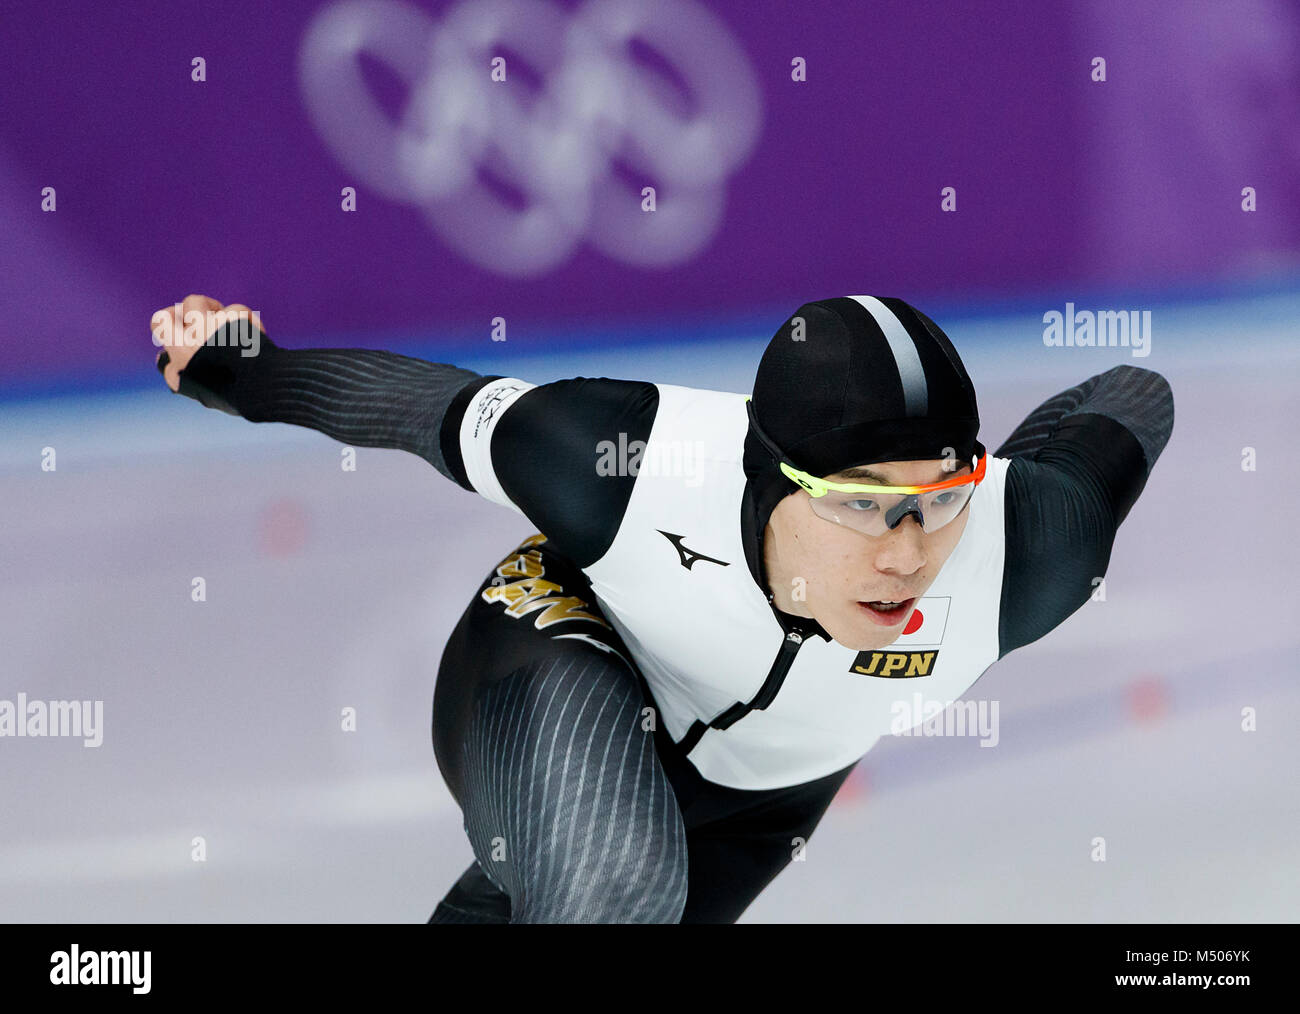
(874, 509)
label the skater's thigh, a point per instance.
(539, 728)
(534, 604)
(566, 804)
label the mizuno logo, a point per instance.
(689, 556)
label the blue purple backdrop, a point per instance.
(520, 199)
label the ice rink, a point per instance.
(329, 589)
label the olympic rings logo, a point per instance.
(578, 148)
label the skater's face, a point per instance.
(844, 579)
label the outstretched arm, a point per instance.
(362, 397)
(1078, 464)
(531, 448)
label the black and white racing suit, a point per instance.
(631, 728)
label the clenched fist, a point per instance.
(183, 328)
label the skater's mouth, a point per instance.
(886, 613)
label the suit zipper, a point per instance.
(771, 685)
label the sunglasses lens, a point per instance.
(870, 513)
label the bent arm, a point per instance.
(1078, 464)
